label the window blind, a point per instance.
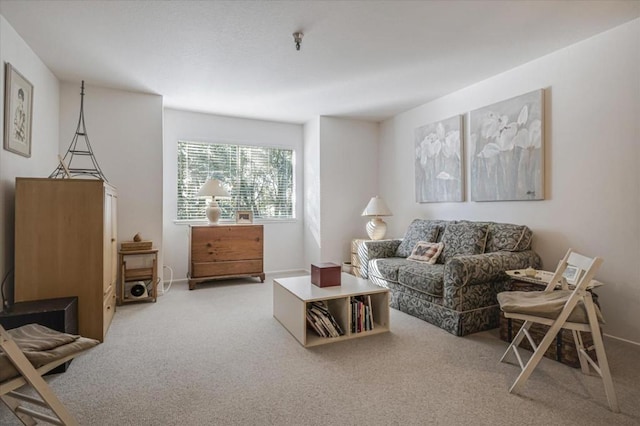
(258, 178)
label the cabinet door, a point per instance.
(110, 243)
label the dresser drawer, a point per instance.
(226, 243)
(212, 269)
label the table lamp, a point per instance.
(213, 188)
(376, 227)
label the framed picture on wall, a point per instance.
(18, 112)
(506, 149)
(244, 216)
(438, 161)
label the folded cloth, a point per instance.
(41, 346)
(545, 304)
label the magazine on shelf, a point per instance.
(322, 321)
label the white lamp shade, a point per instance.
(212, 188)
(377, 207)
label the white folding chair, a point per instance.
(28, 352)
(558, 309)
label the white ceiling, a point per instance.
(361, 59)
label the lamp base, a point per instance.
(213, 212)
(376, 228)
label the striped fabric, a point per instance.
(41, 345)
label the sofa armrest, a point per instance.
(375, 249)
(463, 271)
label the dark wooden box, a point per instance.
(325, 274)
(58, 314)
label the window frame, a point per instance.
(231, 220)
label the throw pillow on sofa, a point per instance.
(508, 237)
(461, 239)
(426, 252)
(419, 230)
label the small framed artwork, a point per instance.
(244, 216)
(18, 112)
(571, 274)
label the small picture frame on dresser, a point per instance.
(244, 216)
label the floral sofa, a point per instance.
(457, 292)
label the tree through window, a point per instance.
(258, 178)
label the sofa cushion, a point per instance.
(508, 237)
(426, 252)
(463, 238)
(387, 268)
(422, 277)
(419, 230)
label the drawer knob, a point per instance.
(208, 244)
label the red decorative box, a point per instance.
(325, 274)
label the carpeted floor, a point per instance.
(216, 356)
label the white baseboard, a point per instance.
(287, 271)
(281, 272)
(621, 339)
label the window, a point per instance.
(258, 178)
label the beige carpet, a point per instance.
(216, 356)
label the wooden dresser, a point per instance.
(65, 246)
(225, 251)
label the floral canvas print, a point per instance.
(438, 166)
(506, 149)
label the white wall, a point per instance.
(340, 177)
(592, 110)
(125, 132)
(44, 141)
(349, 178)
(312, 211)
(282, 240)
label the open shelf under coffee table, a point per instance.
(291, 296)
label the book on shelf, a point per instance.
(322, 321)
(361, 314)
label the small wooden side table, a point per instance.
(145, 273)
(59, 314)
(564, 350)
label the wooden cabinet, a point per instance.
(65, 246)
(138, 280)
(225, 251)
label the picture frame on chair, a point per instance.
(572, 274)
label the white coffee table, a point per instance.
(291, 295)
